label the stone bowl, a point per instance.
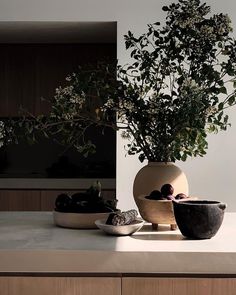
(199, 219)
(78, 220)
(120, 230)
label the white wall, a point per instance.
(214, 176)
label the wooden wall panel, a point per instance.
(19, 200)
(178, 286)
(31, 71)
(3, 86)
(59, 286)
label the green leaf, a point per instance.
(165, 8)
(223, 90)
(231, 100)
(220, 106)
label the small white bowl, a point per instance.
(119, 230)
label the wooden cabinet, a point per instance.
(36, 200)
(178, 286)
(60, 286)
(19, 200)
(116, 286)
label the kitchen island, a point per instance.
(36, 254)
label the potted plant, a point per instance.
(174, 93)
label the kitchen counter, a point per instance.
(30, 243)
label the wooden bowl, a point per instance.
(157, 211)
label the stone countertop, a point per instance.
(29, 242)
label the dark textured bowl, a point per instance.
(199, 219)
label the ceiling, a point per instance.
(57, 32)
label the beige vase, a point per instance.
(155, 174)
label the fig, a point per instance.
(181, 196)
(155, 195)
(79, 197)
(63, 203)
(167, 189)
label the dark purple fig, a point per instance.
(181, 196)
(167, 189)
(63, 203)
(155, 195)
(79, 197)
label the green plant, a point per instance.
(175, 92)
(182, 79)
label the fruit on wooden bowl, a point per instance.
(157, 208)
(82, 209)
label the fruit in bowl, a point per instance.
(166, 193)
(82, 209)
(157, 207)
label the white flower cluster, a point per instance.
(69, 94)
(190, 22)
(125, 134)
(127, 105)
(222, 23)
(189, 85)
(70, 77)
(208, 32)
(109, 104)
(64, 91)
(69, 116)
(210, 111)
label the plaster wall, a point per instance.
(211, 177)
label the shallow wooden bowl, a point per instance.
(78, 220)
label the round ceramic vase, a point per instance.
(154, 175)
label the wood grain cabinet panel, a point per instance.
(19, 200)
(59, 286)
(178, 286)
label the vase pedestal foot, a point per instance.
(173, 226)
(154, 226)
